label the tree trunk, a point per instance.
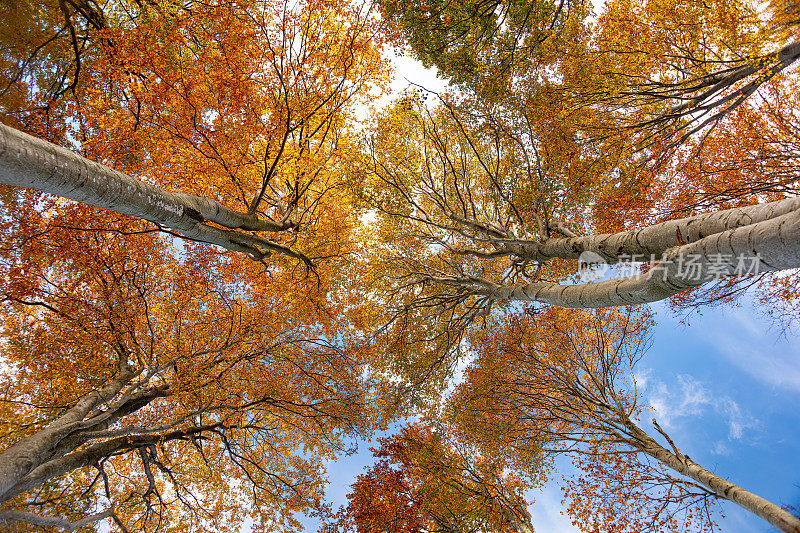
(780, 518)
(90, 455)
(770, 244)
(49, 521)
(32, 163)
(25, 455)
(521, 526)
(655, 239)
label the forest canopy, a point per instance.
(222, 268)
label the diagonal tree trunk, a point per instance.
(93, 453)
(32, 163)
(655, 239)
(50, 521)
(25, 455)
(690, 253)
(780, 518)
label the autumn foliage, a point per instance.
(416, 268)
(424, 481)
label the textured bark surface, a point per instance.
(655, 239)
(521, 526)
(25, 455)
(32, 163)
(771, 243)
(780, 518)
(48, 521)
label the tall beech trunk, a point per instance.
(655, 239)
(775, 515)
(690, 252)
(22, 457)
(32, 163)
(49, 521)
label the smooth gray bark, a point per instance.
(766, 237)
(32, 163)
(655, 239)
(25, 455)
(520, 525)
(780, 518)
(91, 454)
(49, 521)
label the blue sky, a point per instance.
(727, 389)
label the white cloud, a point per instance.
(692, 398)
(749, 345)
(409, 73)
(738, 421)
(642, 377)
(720, 448)
(547, 511)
